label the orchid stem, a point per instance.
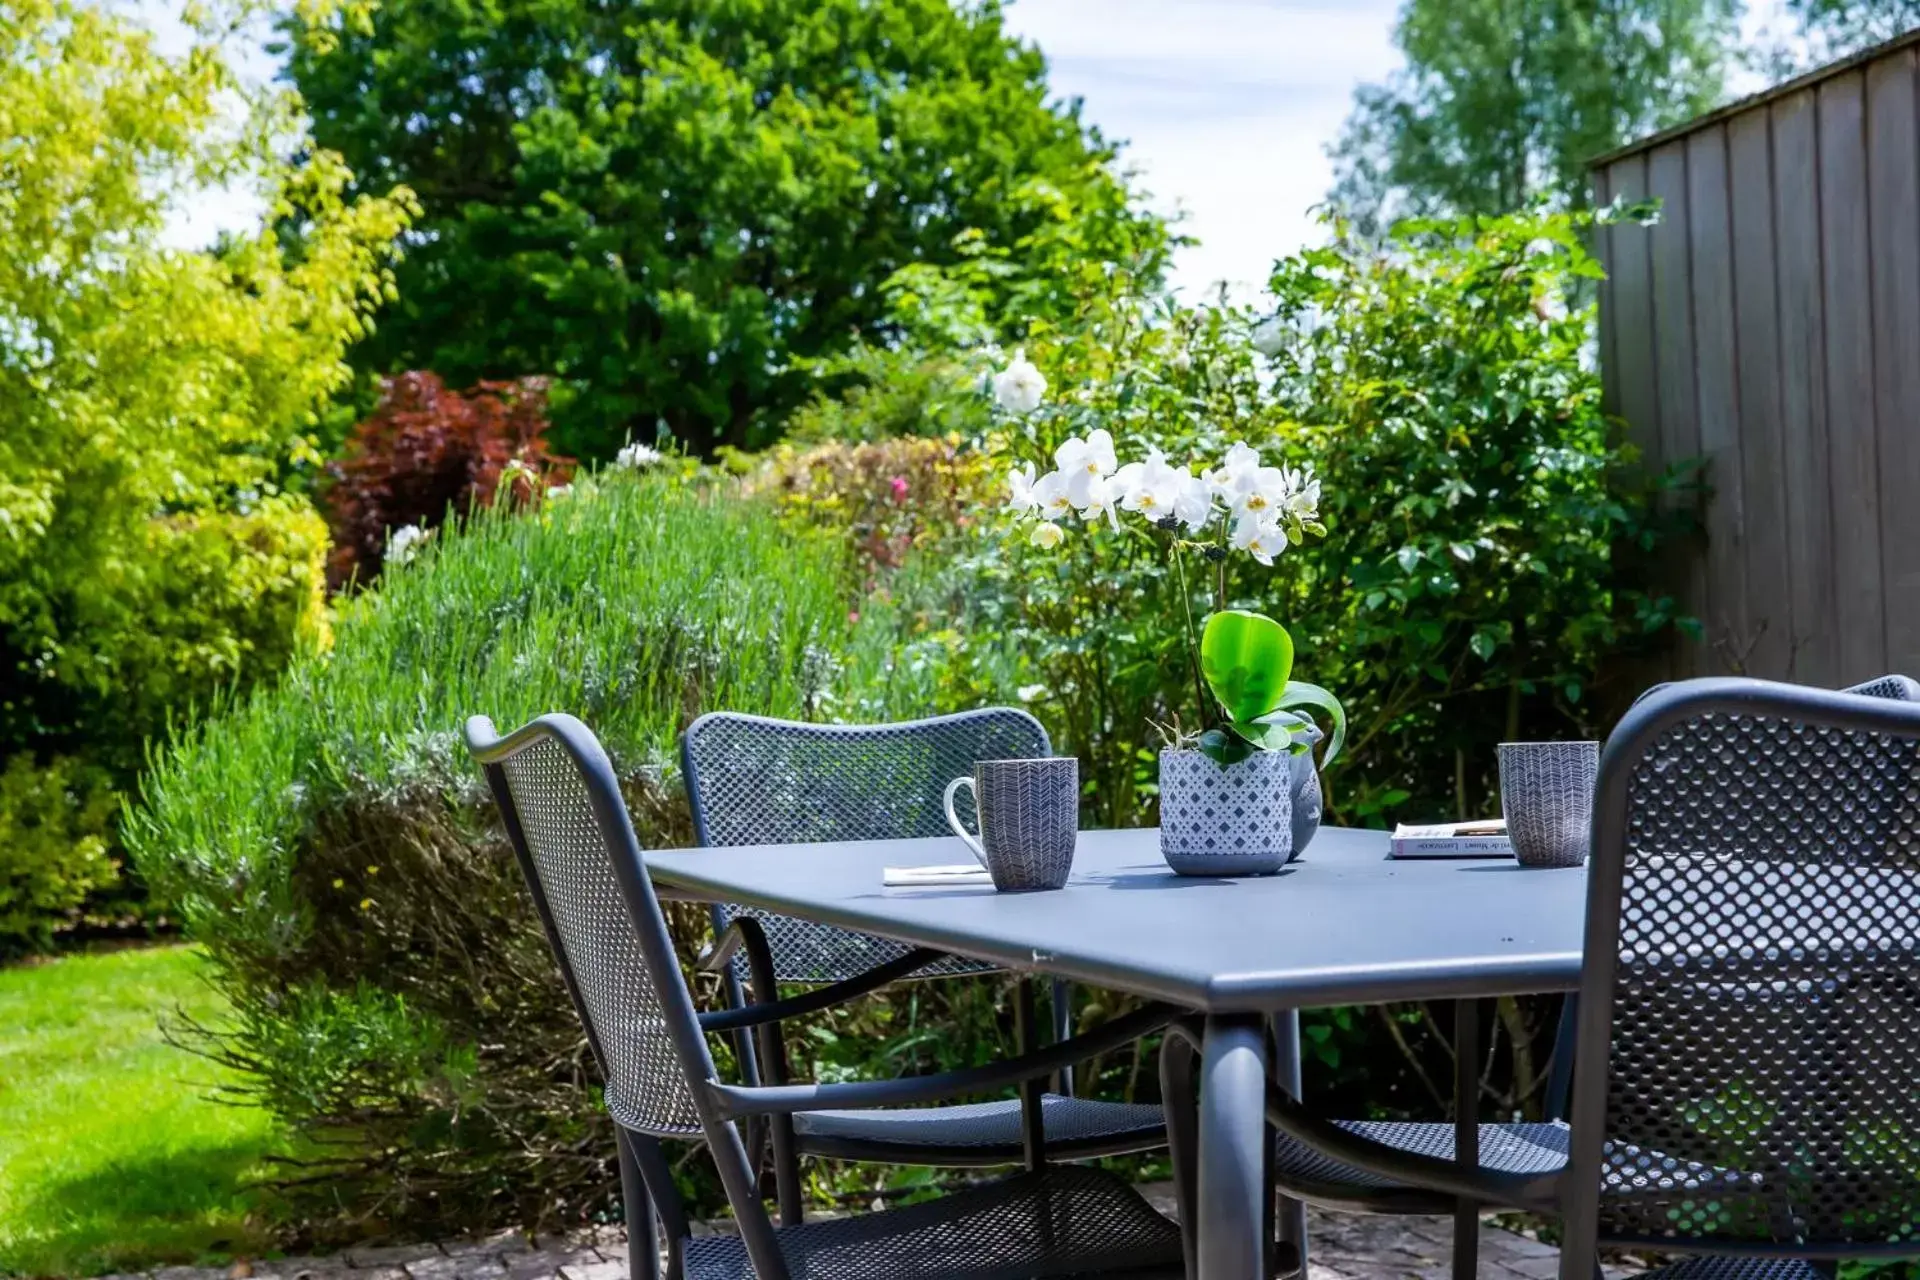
(1193, 638)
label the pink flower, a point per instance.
(899, 488)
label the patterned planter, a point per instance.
(1306, 793)
(1235, 820)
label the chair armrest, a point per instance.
(750, 1100)
(758, 1014)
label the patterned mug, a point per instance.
(1029, 815)
(1546, 796)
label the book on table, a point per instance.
(1484, 839)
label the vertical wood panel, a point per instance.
(1803, 419)
(1672, 291)
(1769, 641)
(1633, 344)
(1847, 309)
(1603, 249)
(1893, 183)
(1709, 243)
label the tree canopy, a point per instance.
(155, 398)
(1504, 101)
(663, 204)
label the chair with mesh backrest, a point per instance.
(1738, 809)
(1752, 991)
(754, 780)
(560, 803)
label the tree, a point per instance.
(1822, 31)
(1503, 101)
(154, 398)
(663, 204)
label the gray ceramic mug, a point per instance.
(1029, 812)
(1546, 793)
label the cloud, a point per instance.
(1226, 106)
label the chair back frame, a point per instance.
(723, 747)
(1882, 708)
(622, 846)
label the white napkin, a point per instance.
(961, 873)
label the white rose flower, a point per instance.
(403, 544)
(1019, 387)
(1047, 535)
(1260, 537)
(638, 457)
(1270, 336)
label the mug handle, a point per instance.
(953, 819)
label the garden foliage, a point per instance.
(1482, 518)
(427, 453)
(156, 400)
(331, 844)
(670, 208)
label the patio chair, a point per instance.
(1743, 1085)
(560, 804)
(753, 780)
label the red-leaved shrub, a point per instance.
(428, 453)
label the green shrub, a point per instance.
(154, 396)
(195, 606)
(54, 821)
(332, 846)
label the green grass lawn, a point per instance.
(112, 1155)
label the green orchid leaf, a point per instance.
(1224, 748)
(1246, 658)
(1301, 694)
(1267, 734)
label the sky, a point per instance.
(1227, 107)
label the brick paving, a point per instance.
(1342, 1247)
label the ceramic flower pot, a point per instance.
(1226, 820)
(1305, 792)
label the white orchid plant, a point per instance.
(1242, 661)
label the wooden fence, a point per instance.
(1770, 326)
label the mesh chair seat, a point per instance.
(1504, 1148)
(1059, 1222)
(1737, 1269)
(988, 1132)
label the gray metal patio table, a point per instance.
(1344, 925)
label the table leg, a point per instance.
(1234, 1150)
(1466, 1132)
(1292, 1214)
